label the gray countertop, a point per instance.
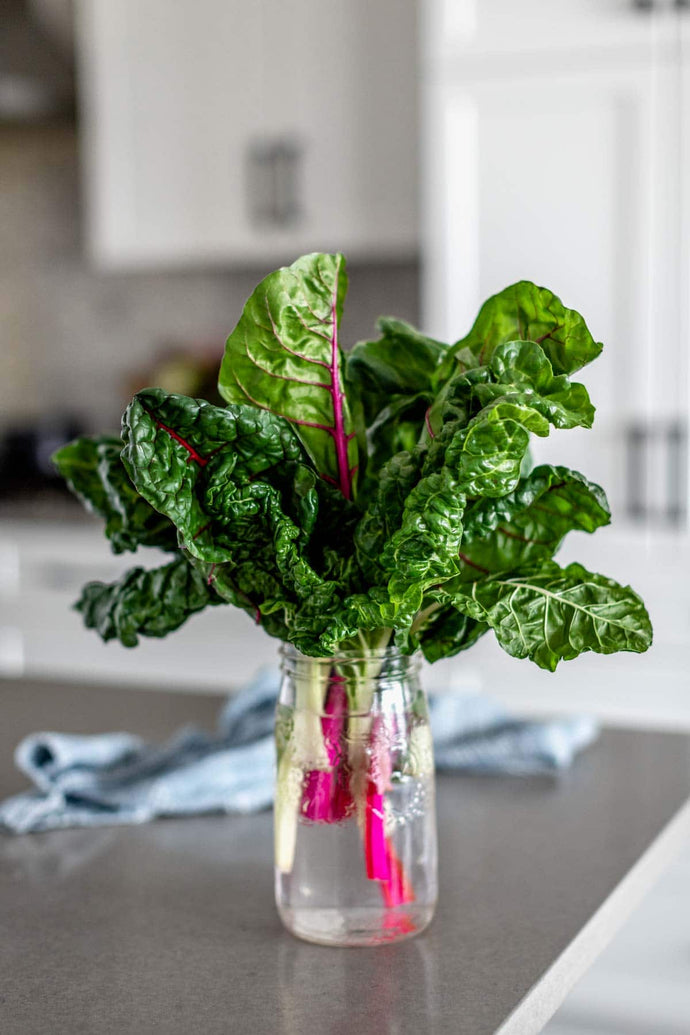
(171, 927)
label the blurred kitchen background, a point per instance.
(158, 157)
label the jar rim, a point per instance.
(390, 652)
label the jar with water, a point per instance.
(355, 817)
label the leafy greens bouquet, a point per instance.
(349, 501)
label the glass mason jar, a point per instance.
(355, 815)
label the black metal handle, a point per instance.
(274, 182)
(649, 5)
(670, 442)
(636, 471)
(676, 488)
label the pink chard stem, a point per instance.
(326, 796)
(375, 842)
(340, 436)
(382, 861)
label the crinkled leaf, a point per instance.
(384, 514)
(456, 402)
(409, 536)
(526, 312)
(322, 624)
(284, 357)
(529, 524)
(424, 550)
(485, 456)
(145, 603)
(522, 371)
(517, 409)
(466, 401)
(94, 472)
(257, 520)
(317, 625)
(77, 462)
(233, 482)
(413, 528)
(553, 614)
(255, 527)
(520, 375)
(191, 459)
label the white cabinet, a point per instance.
(557, 149)
(555, 178)
(555, 156)
(215, 130)
(533, 30)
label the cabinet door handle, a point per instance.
(636, 465)
(259, 182)
(274, 182)
(676, 451)
(670, 445)
(288, 159)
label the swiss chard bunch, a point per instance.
(355, 499)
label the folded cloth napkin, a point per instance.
(116, 778)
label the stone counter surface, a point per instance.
(171, 927)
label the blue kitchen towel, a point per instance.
(116, 778)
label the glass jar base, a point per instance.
(350, 927)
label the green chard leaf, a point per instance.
(409, 536)
(522, 371)
(94, 472)
(188, 458)
(284, 357)
(552, 614)
(481, 422)
(145, 603)
(519, 375)
(528, 525)
(402, 362)
(425, 548)
(485, 456)
(413, 528)
(398, 428)
(525, 312)
(247, 585)
(393, 380)
(232, 480)
(384, 514)
(445, 632)
(253, 516)
(325, 621)
(438, 628)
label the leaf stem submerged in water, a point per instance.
(337, 764)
